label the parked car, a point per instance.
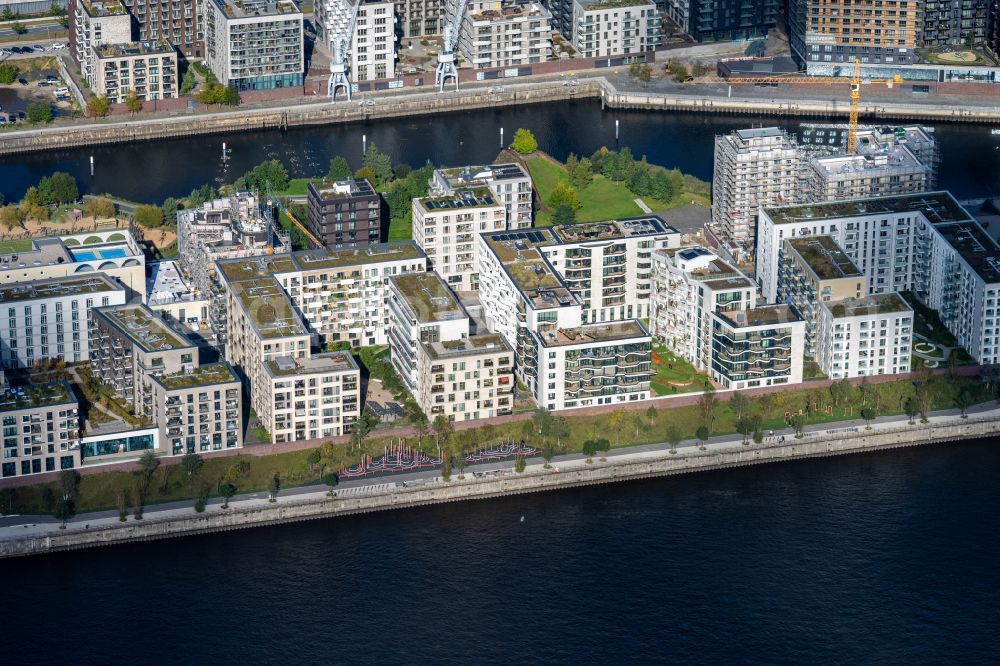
(44, 84)
(38, 48)
(58, 45)
(5, 51)
(20, 115)
(12, 118)
(23, 82)
(60, 92)
(52, 78)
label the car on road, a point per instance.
(23, 82)
(58, 45)
(38, 48)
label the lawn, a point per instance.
(927, 323)
(674, 374)
(17, 245)
(299, 240)
(400, 229)
(297, 187)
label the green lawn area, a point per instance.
(18, 245)
(927, 323)
(674, 374)
(603, 199)
(400, 229)
(299, 240)
(297, 186)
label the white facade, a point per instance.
(309, 398)
(373, 51)
(510, 184)
(505, 33)
(254, 44)
(759, 347)
(615, 27)
(50, 319)
(446, 227)
(96, 24)
(869, 336)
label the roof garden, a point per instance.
(268, 307)
(205, 375)
(870, 305)
(356, 256)
(36, 395)
(975, 246)
(133, 49)
(581, 232)
(510, 246)
(287, 366)
(590, 5)
(824, 258)
(428, 297)
(762, 316)
(937, 207)
(56, 287)
(471, 346)
(594, 333)
(145, 328)
(105, 8)
(473, 197)
(248, 268)
(252, 8)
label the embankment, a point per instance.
(571, 474)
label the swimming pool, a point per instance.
(93, 255)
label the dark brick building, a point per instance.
(346, 213)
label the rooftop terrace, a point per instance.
(205, 375)
(133, 49)
(145, 328)
(632, 227)
(870, 305)
(458, 176)
(268, 307)
(475, 197)
(55, 288)
(538, 282)
(251, 8)
(476, 344)
(286, 366)
(824, 257)
(975, 246)
(35, 395)
(428, 297)
(343, 189)
(250, 268)
(356, 256)
(762, 316)
(591, 333)
(937, 207)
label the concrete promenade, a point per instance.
(34, 535)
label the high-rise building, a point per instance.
(827, 34)
(505, 33)
(509, 182)
(614, 27)
(872, 335)
(710, 21)
(254, 44)
(344, 214)
(176, 21)
(954, 22)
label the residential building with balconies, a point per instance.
(728, 20)
(762, 346)
(198, 410)
(857, 337)
(177, 21)
(41, 428)
(505, 33)
(510, 183)
(615, 27)
(344, 214)
(148, 68)
(50, 319)
(309, 397)
(466, 378)
(254, 44)
(92, 25)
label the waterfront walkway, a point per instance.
(13, 527)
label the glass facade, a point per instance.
(107, 447)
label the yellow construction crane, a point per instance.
(855, 82)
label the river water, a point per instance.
(150, 172)
(881, 558)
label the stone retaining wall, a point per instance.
(835, 442)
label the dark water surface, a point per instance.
(970, 164)
(884, 558)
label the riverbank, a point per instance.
(495, 481)
(615, 89)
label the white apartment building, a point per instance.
(254, 44)
(873, 171)
(505, 33)
(753, 168)
(762, 346)
(373, 49)
(872, 335)
(615, 27)
(148, 68)
(689, 284)
(41, 428)
(527, 302)
(50, 319)
(446, 228)
(925, 243)
(198, 409)
(309, 398)
(114, 253)
(449, 369)
(95, 24)
(509, 182)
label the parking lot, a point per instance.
(37, 81)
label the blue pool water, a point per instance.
(92, 255)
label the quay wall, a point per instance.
(629, 466)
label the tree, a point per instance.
(563, 214)
(419, 421)
(212, 93)
(98, 107)
(616, 420)
(10, 216)
(339, 169)
(8, 73)
(644, 74)
(563, 195)
(442, 429)
(798, 424)
(270, 173)
(18, 27)
(745, 428)
(702, 433)
(911, 409)
(707, 403)
(582, 175)
(170, 206)
(148, 216)
(662, 187)
(191, 463)
(201, 498)
(133, 103)
(964, 400)
(64, 511)
(67, 482)
(679, 71)
(542, 420)
(122, 504)
(590, 447)
(232, 95)
(7, 14)
(313, 459)
(572, 162)
(138, 499)
(366, 172)
(59, 188)
(273, 486)
(524, 141)
(98, 208)
(519, 464)
(189, 82)
(200, 195)
(673, 438)
(227, 490)
(868, 414)
(651, 414)
(559, 428)
(446, 465)
(148, 462)
(548, 452)
(380, 164)
(738, 404)
(331, 480)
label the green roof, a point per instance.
(56, 287)
(36, 395)
(938, 207)
(477, 344)
(824, 257)
(248, 268)
(268, 307)
(875, 304)
(145, 328)
(205, 375)
(429, 297)
(286, 366)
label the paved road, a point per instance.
(12, 526)
(41, 28)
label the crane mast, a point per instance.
(446, 69)
(340, 45)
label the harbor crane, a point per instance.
(341, 36)
(446, 61)
(855, 82)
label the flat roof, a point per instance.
(470, 346)
(629, 227)
(269, 308)
(874, 304)
(824, 257)
(205, 375)
(166, 283)
(472, 197)
(235, 9)
(91, 283)
(287, 366)
(343, 189)
(428, 297)
(145, 328)
(247, 268)
(58, 250)
(937, 207)
(458, 176)
(133, 49)
(762, 316)
(36, 395)
(975, 246)
(588, 333)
